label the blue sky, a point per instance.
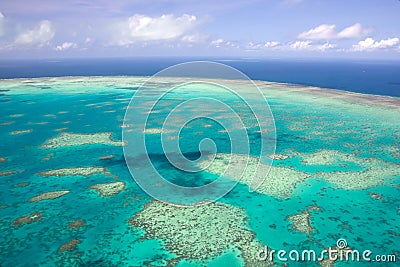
(241, 28)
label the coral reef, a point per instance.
(6, 173)
(279, 182)
(106, 157)
(376, 171)
(79, 171)
(301, 221)
(49, 195)
(199, 232)
(61, 129)
(74, 139)
(70, 245)
(18, 132)
(155, 131)
(76, 224)
(7, 122)
(278, 156)
(16, 115)
(30, 218)
(23, 184)
(375, 196)
(108, 189)
(325, 157)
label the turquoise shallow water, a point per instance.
(364, 138)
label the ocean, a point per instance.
(362, 76)
(67, 197)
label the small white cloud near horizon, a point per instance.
(328, 32)
(145, 28)
(194, 38)
(267, 45)
(306, 45)
(271, 44)
(217, 42)
(301, 45)
(310, 46)
(40, 35)
(369, 44)
(326, 46)
(66, 46)
(221, 43)
(2, 18)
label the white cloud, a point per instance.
(301, 45)
(306, 45)
(40, 34)
(266, 45)
(370, 44)
(310, 46)
(323, 31)
(217, 42)
(353, 31)
(325, 46)
(144, 28)
(194, 38)
(327, 32)
(271, 44)
(66, 46)
(2, 19)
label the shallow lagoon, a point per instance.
(64, 134)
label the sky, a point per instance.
(367, 29)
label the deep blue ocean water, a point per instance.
(369, 77)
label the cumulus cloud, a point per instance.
(323, 31)
(66, 46)
(328, 32)
(2, 18)
(217, 42)
(325, 46)
(370, 44)
(301, 45)
(144, 28)
(266, 45)
(39, 35)
(194, 38)
(309, 45)
(306, 45)
(271, 44)
(353, 31)
(2, 24)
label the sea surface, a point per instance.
(67, 197)
(363, 76)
